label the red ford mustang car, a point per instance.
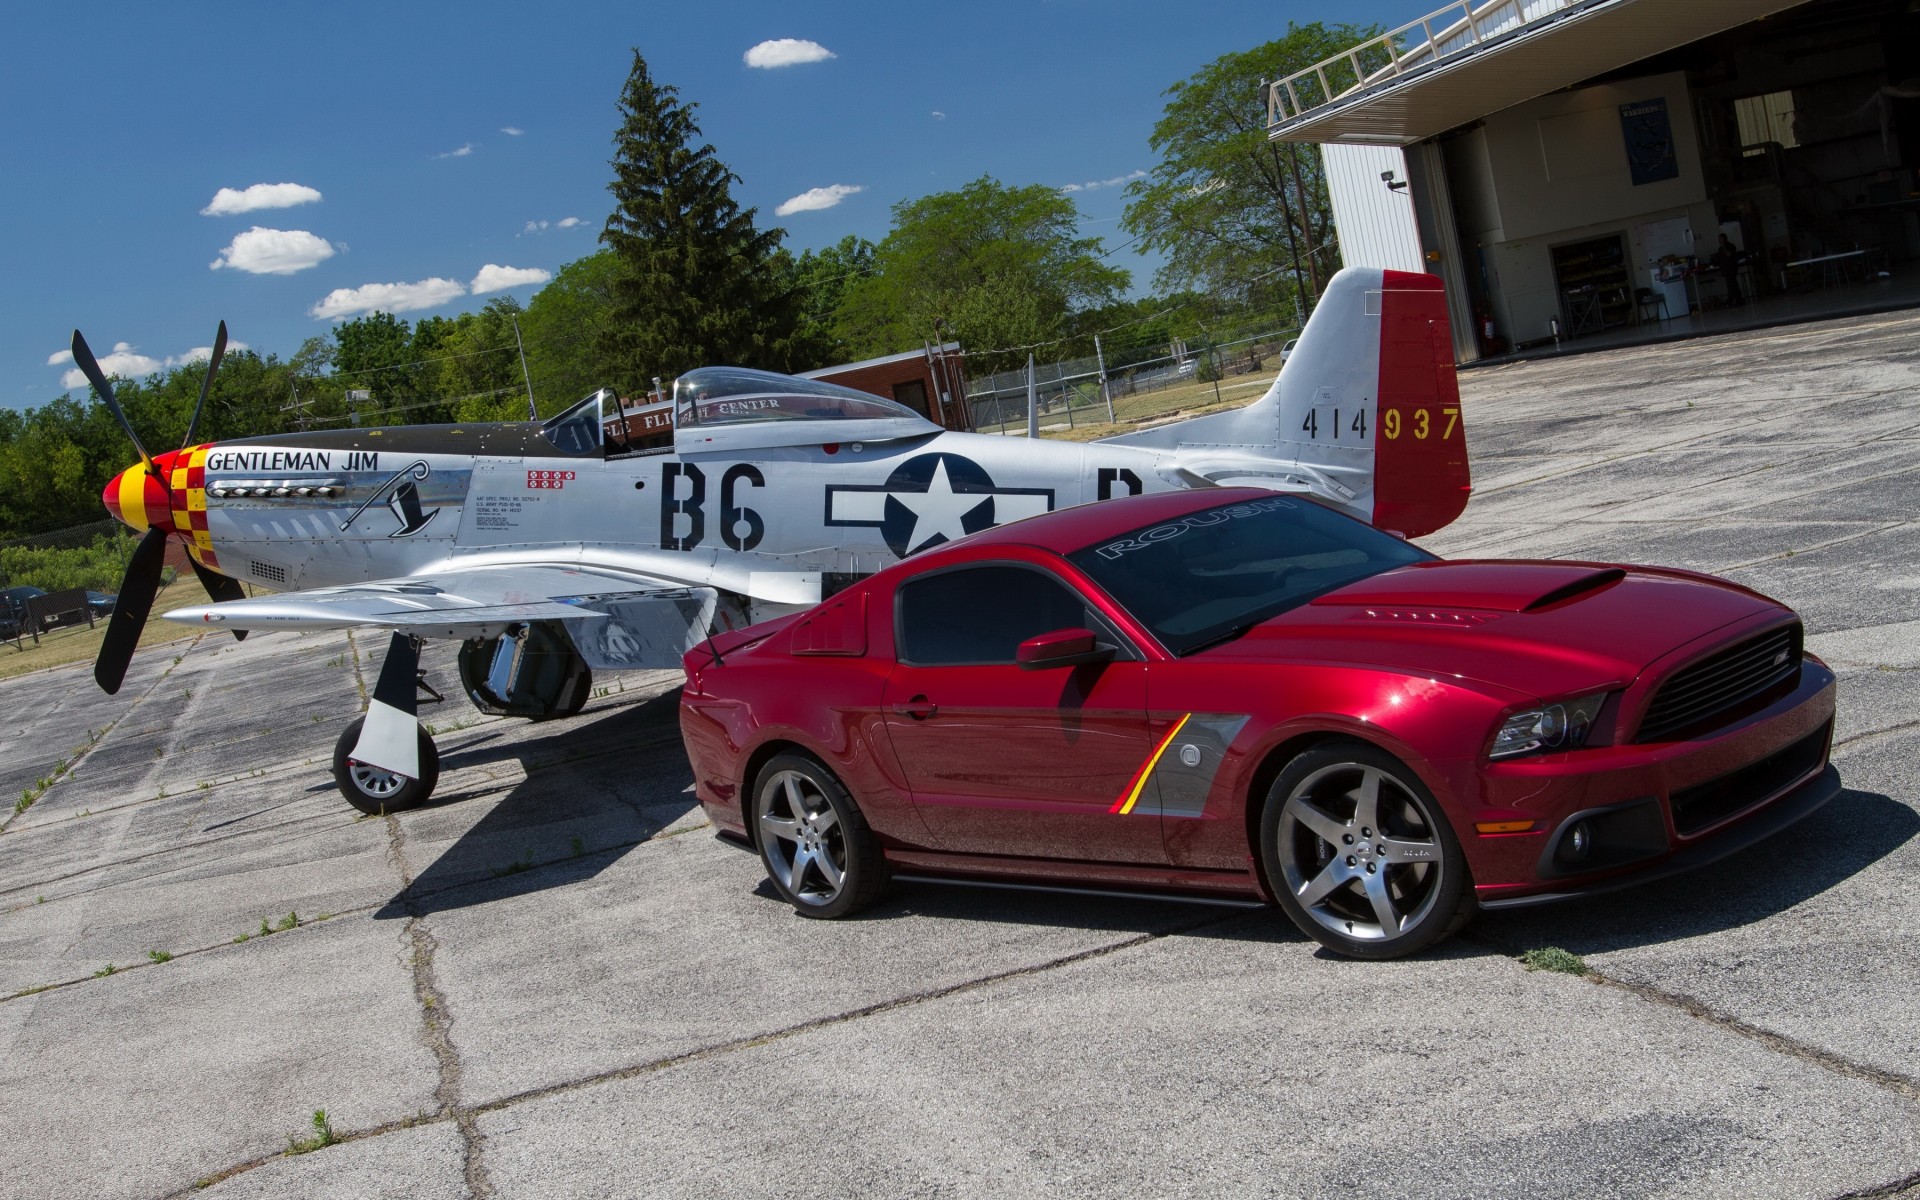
(1238, 694)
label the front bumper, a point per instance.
(1655, 809)
(1769, 820)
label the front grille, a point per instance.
(1721, 681)
(1701, 806)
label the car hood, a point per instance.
(1540, 628)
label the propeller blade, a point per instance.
(221, 588)
(83, 358)
(206, 385)
(137, 589)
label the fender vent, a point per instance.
(267, 571)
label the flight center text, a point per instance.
(278, 461)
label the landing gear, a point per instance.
(374, 790)
(385, 762)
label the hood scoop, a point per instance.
(1509, 587)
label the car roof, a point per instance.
(1068, 529)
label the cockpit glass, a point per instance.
(577, 430)
(738, 395)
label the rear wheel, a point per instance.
(813, 839)
(1361, 856)
(376, 791)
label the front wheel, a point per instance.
(376, 791)
(813, 839)
(1360, 855)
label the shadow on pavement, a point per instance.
(1854, 831)
(579, 810)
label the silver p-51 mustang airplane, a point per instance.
(555, 550)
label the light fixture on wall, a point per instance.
(1393, 185)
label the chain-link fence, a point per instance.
(1077, 392)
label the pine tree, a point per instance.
(698, 284)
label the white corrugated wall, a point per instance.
(1375, 222)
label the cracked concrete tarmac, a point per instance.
(554, 982)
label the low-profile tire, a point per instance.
(1360, 854)
(813, 840)
(377, 792)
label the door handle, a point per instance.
(919, 708)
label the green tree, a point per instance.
(478, 365)
(698, 282)
(563, 328)
(822, 278)
(999, 267)
(371, 354)
(1233, 212)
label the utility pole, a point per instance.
(1033, 401)
(1100, 357)
(533, 414)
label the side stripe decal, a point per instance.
(1124, 804)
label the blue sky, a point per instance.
(429, 142)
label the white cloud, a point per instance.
(127, 363)
(1096, 184)
(512, 130)
(543, 226)
(261, 251)
(817, 198)
(938, 115)
(786, 52)
(462, 152)
(226, 202)
(494, 278)
(386, 297)
(203, 353)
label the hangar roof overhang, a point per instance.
(1467, 60)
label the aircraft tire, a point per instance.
(376, 792)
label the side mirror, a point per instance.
(1062, 648)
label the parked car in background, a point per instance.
(13, 610)
(14, 600)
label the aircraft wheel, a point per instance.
(377, 792)
(814, 841)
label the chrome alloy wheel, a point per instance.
(1359, 853)
(374, 782)
(801, 837)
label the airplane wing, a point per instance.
(617, 621)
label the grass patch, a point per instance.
(105, 971)
(1553, 958)
(160, 956)
(322, 1135)
(524, 863)
(290, 921)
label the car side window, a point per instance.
(980, 615)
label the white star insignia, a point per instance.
(938, 510)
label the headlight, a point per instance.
(1561, 726)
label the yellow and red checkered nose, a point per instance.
(135, 497)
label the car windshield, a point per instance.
(1214, 574)
(737, 395)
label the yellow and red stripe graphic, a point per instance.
(1125, 803)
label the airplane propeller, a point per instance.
(141, 583)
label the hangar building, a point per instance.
(1570, 167)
